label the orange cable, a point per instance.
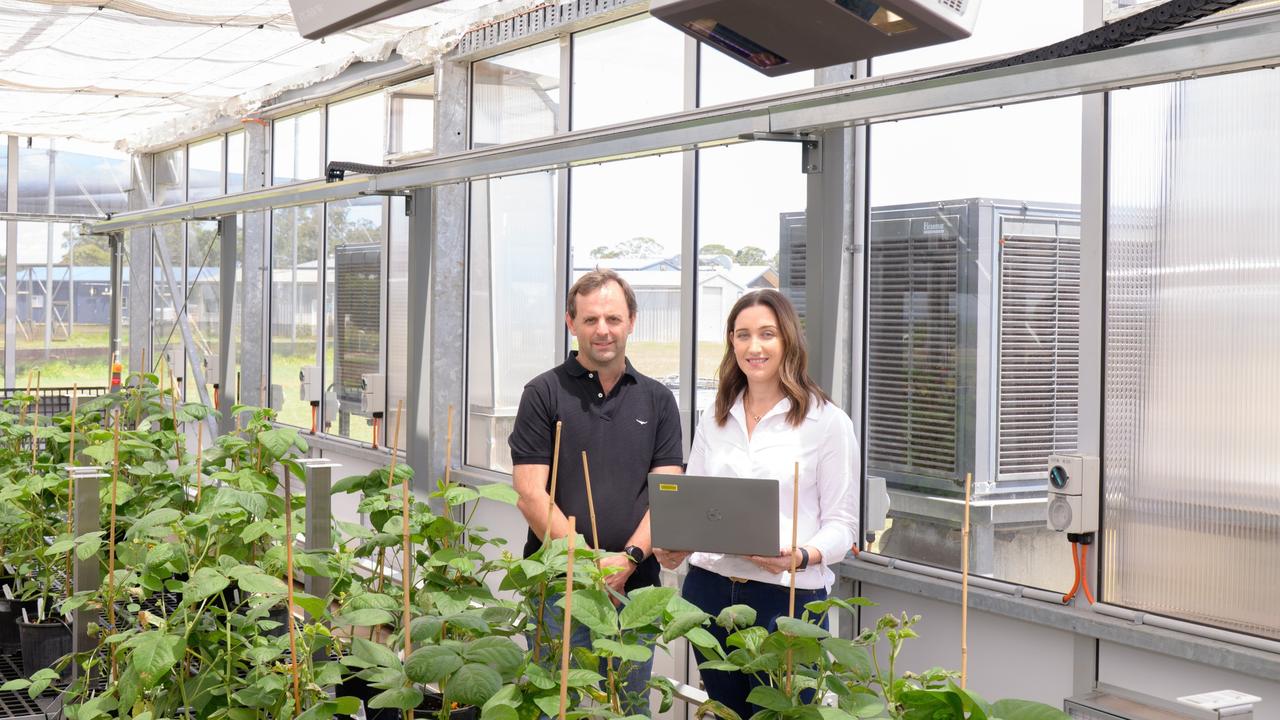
(1084, 572)
(1075, 561)
(313, 419)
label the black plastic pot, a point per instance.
(43, 645)
(10, 615)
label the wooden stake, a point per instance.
(546, 538)
(448, 448)
(591, 506)
(35, 424)
(407, 569)
(595, 542)
(568, 622)
(791, 601)
(71, 483)
(391, 479)
(111, 544)
(964, 586)
(22, 416)
(288, 583)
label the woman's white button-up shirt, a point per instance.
(827, 450)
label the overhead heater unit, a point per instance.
(318, 18)
(779, 38)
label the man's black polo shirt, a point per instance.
(627, 433)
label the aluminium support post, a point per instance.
(115, 245)
(318, 522)
(417, 445)
(11, 268)
(255, 264)
(86, 573)
(226, 306)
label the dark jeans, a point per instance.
(635, 684)
(712, 593)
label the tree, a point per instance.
(636, 247)
(751, 255)
(87, 251)
(715, 249)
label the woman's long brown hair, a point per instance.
(799, 388)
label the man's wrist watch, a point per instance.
(634, 554)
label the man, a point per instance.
(629, 426)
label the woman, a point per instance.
(769, 415)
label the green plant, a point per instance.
(805, 672)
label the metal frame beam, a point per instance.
(1227, 47)
(227, 231)
(11, 265)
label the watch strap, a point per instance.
(634, 554)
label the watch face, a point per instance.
(636, 554)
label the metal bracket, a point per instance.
(810, 147)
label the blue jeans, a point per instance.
(638, 674)
(713, 592)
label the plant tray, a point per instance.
(16, 704)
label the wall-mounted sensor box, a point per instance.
(779, 38)
(373, 393)
(311, 389)
(1073, 487)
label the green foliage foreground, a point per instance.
(193, 611)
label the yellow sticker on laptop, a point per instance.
(668, 487)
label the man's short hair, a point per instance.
(595, 280)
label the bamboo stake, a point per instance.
(71, 483)
(111, 545)
(595, 542)
(791, 601)
(591, 506)
(35, 424)
(288, 582)
(391, 479)
(964, 586)
(568, 623)
(448, 448)
(406, 574)
(546, 538)
(22, 416)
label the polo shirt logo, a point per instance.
(642, 422)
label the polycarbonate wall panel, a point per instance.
(1191, 464)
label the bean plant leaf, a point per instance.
(500, 492)
(799, 628)
(930, 704)
(154, 519)
(432, 663)
(279, 441)
(374, 654)
(1013, 709)
(366, 617)
(500, 712)
(204, 583)
(613, 648)
(154, 654)
(769, 698)
(472, 684)
(499, 653)
(683, 623)
(849, 654)
(644, 606)
(460, 495)
(404, 698)
(594, 610)
(736, 616)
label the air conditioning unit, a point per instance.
(973, 344)
(778, 38)
(318, 18)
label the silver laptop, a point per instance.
(738, 516)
